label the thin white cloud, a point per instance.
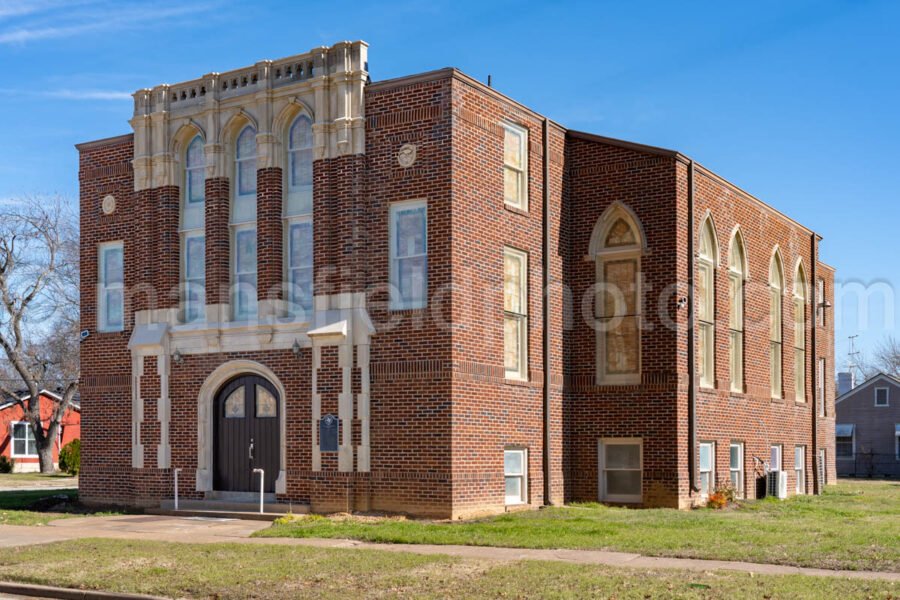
(95, 17)
(67, 94)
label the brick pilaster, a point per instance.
(217, 240)
(165, 259)
(269, 234)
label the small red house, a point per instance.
(17, 439)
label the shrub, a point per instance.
(716, 500)
(7, 464)
(70, 457)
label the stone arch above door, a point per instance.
(224, 373)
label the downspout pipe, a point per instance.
(545, 285)
(814, 359)
(691, 353)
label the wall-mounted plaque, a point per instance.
(328, 433)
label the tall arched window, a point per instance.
(800, 295)
(776, 287)
(243, 227)
(298, 216)
(706, 300)
(736, 276)
(193, 235)
(617, 245)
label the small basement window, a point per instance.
(515, 466)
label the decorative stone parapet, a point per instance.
(327, 83)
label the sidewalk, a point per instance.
(29, 482)
(207, 531)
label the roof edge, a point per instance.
(636, 146)
(104, 141)
(871, 380)
(454, 73)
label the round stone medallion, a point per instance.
(108, 204)
(407, 155)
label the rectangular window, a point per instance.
(775, 458)
(882, 396)
(736, 468)
(111, 309)
(799, 350)
(194, 270)
(620, 470)
(707, 468)
(515, 313)
(823, 467)
(775, 342)
(24, 445)
(897, 439)
(820, 300)
(800, 469)
(409, 255)
(844, 444)
(515, 468)
(244, 272)
(515, 165)
(706, 314)
(300, 265)
(820, 386)
(736, 333)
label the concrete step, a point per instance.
(215, 514)
(248, 497)
(233, 507)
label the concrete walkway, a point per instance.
(27, 482)
(205, 531)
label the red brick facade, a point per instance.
(441, 409)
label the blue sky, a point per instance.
(796, 102)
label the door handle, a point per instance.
(251, 448)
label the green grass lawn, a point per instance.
(39, 507)
(853, 525)
(14, 506)
(269, 571)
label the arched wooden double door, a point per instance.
(247, 434)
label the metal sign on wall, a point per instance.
(328, 433)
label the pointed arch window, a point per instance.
(298, 218)
(776, 287)
(243, 227)
(800, 295)
(736, 277)
(617, 247)
(706, 299)
(192, 233)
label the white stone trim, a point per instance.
(163, 412)
(137, 412)
(334, 94)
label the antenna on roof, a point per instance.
(489, 80)
(853, 360)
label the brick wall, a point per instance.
(441, 410)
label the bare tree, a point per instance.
(39, 315)
(884, 359)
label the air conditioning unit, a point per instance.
(777, 484)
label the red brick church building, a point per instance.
(341, 283)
